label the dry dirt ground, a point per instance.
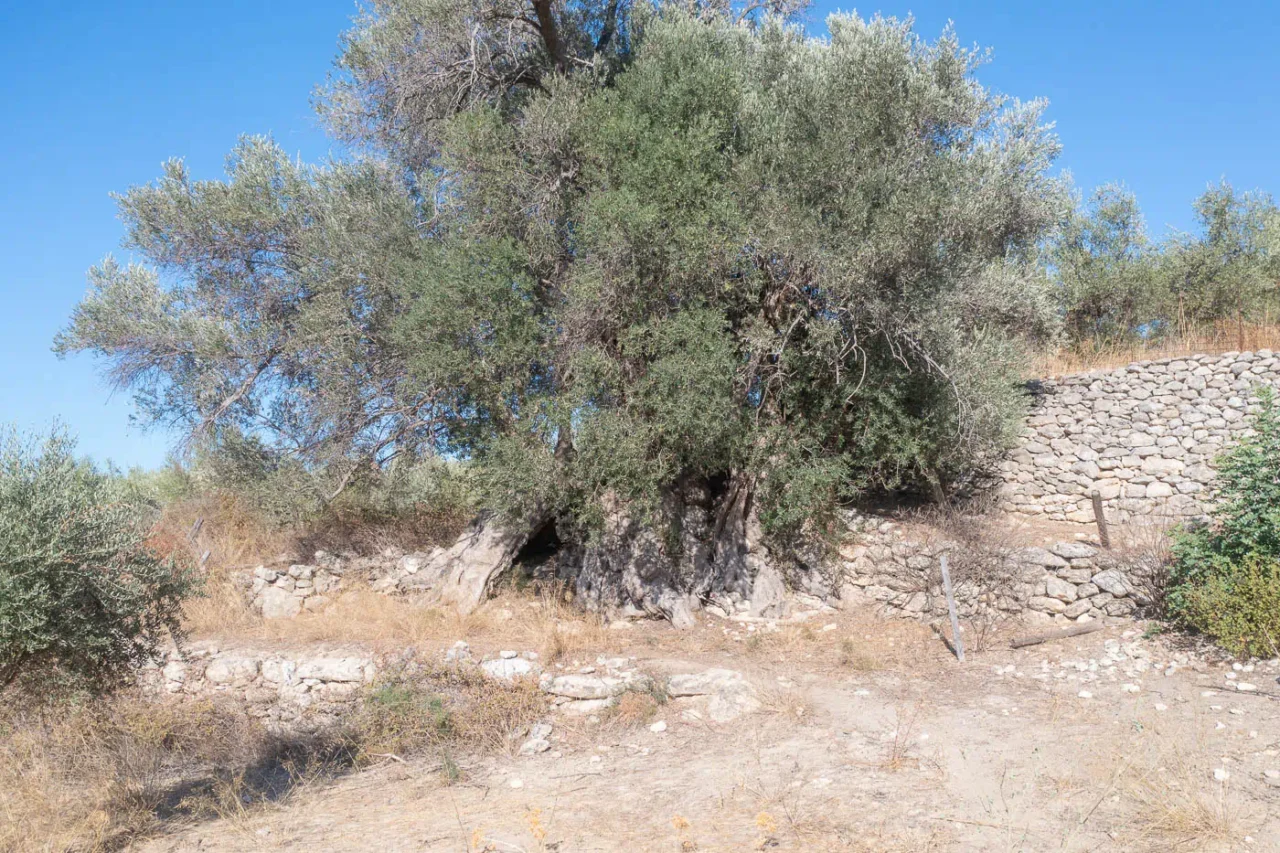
(871, 737)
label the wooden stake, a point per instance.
(951, 608)
(1104, 537)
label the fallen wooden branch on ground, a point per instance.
(1074, 631)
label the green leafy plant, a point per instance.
(1240, 610)
(82, 596)
(1225, 580)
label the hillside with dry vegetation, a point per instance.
(645, 438)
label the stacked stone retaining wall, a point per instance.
(897, 570)
(295, 690)
(1145, 437)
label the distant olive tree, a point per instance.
(82, 597)
(1231, 269)
(1115, 284)
(1107, 269)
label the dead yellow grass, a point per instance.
(229, 533)
(88, 775)
(442, 709)
(554, 629)
(362, 615)
(1161, 794)
(1226, 337)
(1174, 808)
(857, 644)
(561, 631)
(92, 774)
(633, 709)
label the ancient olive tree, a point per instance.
(677, 278)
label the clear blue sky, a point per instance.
(94, 96)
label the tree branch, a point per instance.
(240, 392)
(610, 26)
(550, 33)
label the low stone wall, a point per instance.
(884, 563)
(311, 689)
(1144, 437)
(283, 593)
(894, 570)
(301, 690)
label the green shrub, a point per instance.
(1241, 611)
(1225, 581)
(83, 598)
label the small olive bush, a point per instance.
(83, 599)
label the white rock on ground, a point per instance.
(508, 669)
(730, 694)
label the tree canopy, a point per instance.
(610, 252)
(1115, 284)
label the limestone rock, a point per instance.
(231, 669)
(731, 695)
(279, 603)
(1113, 582)
(703, 683)
(768, 593)
(508, 669)
(347, 669)
(1060, 589)
(585, 686)
(1041, 557)
(1073, 550)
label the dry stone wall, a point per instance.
(294, 690)
(284, 593)
(897, 570)
(310, 689)
(1144, 437)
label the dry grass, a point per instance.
(92, 774)
(561, 630)
(862, 643)
(545, 622)
(231, 534)
(361, 615)
(442, 709)
(900, 748)
(1183, 815)
(1226, 337)
(856, 657)
(790, 703)
(788, 642)
(228, 537)
(633, 709)
(1172, 802)
(381, 621)
(87, 775)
